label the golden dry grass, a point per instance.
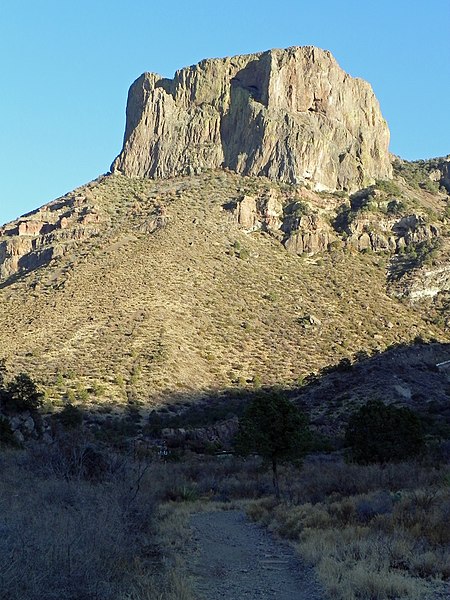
(369, 533)
(152, 316)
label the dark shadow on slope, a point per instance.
(28, 264)
(404, 375)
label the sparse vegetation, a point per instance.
(211, 294)
(417, 173)
(371, 531)
(70, 537)
(422, 253)
(200, 318)
(20, 394)
(70, 416)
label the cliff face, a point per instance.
(49, 232)
(292, 115)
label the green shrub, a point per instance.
(379, 433)
(70, 417)
(297, 209)
(423, 253)
(22, 394)
(396, 207)
(388, 186)
(430, 186)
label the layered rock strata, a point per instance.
(303, 229)
(292, 115)
(47, 233)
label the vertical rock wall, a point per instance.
(292, 115)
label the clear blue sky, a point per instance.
(66, 67)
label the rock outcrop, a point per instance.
(370, 232)
(299, 232)
(427, 283)
(47, 233)
(219, 435)
(444, 169)
(292, 115)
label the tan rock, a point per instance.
(34, 240)
(312, 236)
(246, 213)
(292, 115)
(364, 242)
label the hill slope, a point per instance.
(161, 291)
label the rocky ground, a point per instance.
(235, 558)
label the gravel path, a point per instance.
(237, 559)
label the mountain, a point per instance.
(253, 229)
(292, 115)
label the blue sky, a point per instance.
(66, 68)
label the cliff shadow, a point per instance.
(242, 126)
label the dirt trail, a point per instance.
(237, 559)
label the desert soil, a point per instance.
(235, 559)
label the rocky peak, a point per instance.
(292, 115)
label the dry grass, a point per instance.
(371, 532)
(128, 314)
(79, 539)
(79, 521)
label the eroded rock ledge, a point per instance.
(47, 233)
(292, 115)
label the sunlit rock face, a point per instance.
(292, 115)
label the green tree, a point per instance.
(381, 433)
(22, 394)
(273, 428)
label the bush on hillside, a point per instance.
(71, 416)
(378, 433)
(21, 394)
(6, 434)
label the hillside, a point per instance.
(156, 290)
(254, 240)
(250, 232)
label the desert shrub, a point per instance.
(383, 433)
(396, 207)
(422, 253)
(430, 186)
(70, 417)
(380, 503)
(371, 531)
(413, 172)
(76, 540)
(388, 186)
(21, 394)
(297, 209)
(335, 245)
(344, 365)
(72, 457)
